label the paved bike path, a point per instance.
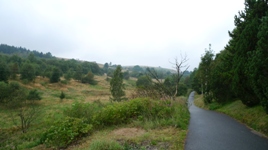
(209, 130)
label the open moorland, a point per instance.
(86, 119)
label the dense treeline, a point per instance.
(29, 64)
(240, 71)
(6, 49)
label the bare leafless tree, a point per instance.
(158, 88)
(181, 67)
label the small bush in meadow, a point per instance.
(34, 95)
(64, 132)
(105, 145)
(83, 110)
(123, 112)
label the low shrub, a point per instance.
(214, 106)
(34, 95)
(105, 145)
(162, 112)
(64, 132)
(83, 110)
(142, 112)
(123, 112)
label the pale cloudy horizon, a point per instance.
(141, 32)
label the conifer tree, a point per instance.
(4, 72)
(258, 68)
(117, 86)
(55, 77)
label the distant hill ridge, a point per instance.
(10, 50)
(23, 52)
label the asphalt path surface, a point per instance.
(210, 130)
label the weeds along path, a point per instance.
(209, 130)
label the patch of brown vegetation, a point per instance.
(126, 133)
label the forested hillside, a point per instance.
(6, 49)
(53, 103)
(29, 64)
(240, 70)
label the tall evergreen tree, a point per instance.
(78, 74)
(14, 70)
(105, 67)
(55, 77)
(4, 72)
(117, 86)
(258, 68)
(195, 82)
(221, 78)
(205, 75)
(245, 42)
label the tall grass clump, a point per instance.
(105, 145)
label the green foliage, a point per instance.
(240, 70)
(95, 68)
(89, 78)
(34, 95)
(182, 90)
(143, 110)
(204, 72)
(31, 58)
(119, 113)
(55, 76)
(4, 91)
(144, 82)
(27, 72)
(106, 67)
(195, 81)
(105, 145)
(126, 75)
(14, 70)
(137, 68)
(170, 86)
(43, 64)
(69, 74)
(62, 95)
(258, 65)
(4, 72)
(66, 131)
(214, 106)
(221, 77)
(208, 98)
(242, 45)
(11, 93)
(78, 74)
(22, 111)
(83, 110)
(117, 86)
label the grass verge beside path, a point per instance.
(253, 117)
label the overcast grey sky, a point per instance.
(126, 32)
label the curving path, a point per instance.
(209, 130)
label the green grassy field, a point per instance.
(140, 132)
